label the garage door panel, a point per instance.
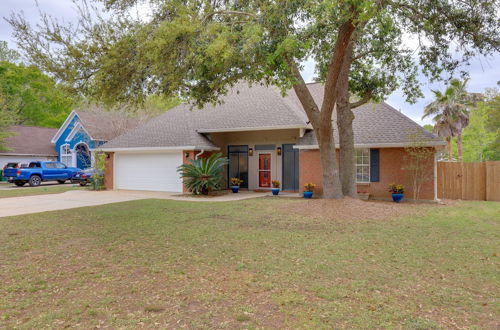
(148, 171)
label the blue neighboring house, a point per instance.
(85, 131)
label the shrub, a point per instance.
(275, 183)
(203, 175)
(97, 178)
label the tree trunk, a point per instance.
(331, 182)
(459, 146)
(321, 120)
(345, 116)
(347, 151)
(448, 141)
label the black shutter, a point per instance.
(374, 165)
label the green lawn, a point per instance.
(249, 264)
(12, 191)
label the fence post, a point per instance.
(486, 175)
(463, 181)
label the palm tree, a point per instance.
(204, 174)
(451, 113)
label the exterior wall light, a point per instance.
(278, 150)
(250, 151)
(186, 154)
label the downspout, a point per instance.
(435, 176)
(199, 154)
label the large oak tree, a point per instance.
(200, 48)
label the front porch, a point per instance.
(259, 157)
(81, 155)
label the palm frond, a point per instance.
(203, 175)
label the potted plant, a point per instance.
(276, 187)
(309, 188)
(397, 191)
(364, 195)
(235, 184)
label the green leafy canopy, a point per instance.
(33, 96)
(199, 48)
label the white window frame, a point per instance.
(359, 165)
(66, 155)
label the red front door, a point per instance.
(265, 170)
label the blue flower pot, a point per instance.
(308, 194)
(235, 189)
(397, 197)
(275, 191)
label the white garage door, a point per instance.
(148, 171)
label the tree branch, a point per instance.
(362, 101)
(303, 93)
(227, 12)
(335, 66)
(363, 54)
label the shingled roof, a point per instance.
(175, 128)
(30, 141)
(250, 108)
(260, 107)
(103, 125)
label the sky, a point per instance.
(484, 72)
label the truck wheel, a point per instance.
(61, 181)
(83, 183)
(35, 181)
(19, 183)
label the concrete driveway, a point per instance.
(10, 186)
(81, 198)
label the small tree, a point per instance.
(418, 166)
(97, 179)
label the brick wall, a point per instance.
(392, 160)
(310, 170)
(108, 172)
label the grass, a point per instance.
(248, 264)
(41, 190)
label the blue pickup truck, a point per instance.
(37, 172)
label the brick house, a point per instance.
(266, 137)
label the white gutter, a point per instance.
(27, 155)
(199, 154)
(75, 130)
(246, 129)
(63, 127)
(139, 149)
(376, 145)
(435, 177)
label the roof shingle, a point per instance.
(261, 106)
(103, 125)
(30, 140)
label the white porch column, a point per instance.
(73, 158)
(435, 176)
